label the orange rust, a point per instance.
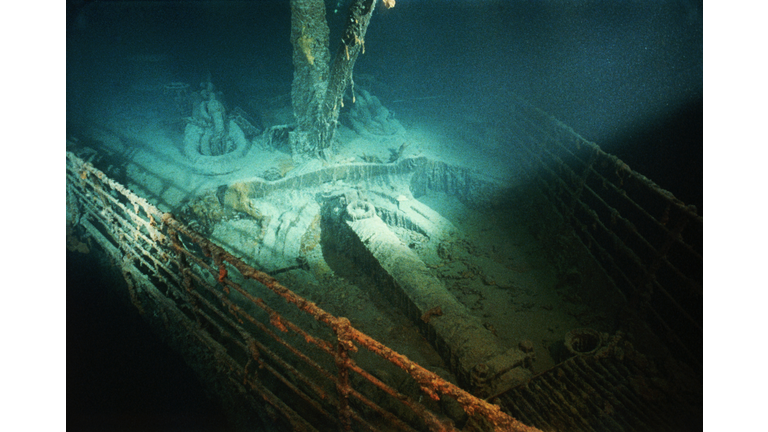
(320, 343)
(413, 405)
(276, 320)
(431, 383)
(222, 275)
(343, 362)
(435, 311)
(343, 331)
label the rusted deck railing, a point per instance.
(256, 328)
(646, 240)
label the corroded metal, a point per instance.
(210, 284)
(647, 241)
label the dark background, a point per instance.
(120, 375)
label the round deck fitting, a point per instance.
(232, 160)
(582, 341)
(358, 210)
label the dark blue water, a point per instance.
(120, 376)
(626, 75)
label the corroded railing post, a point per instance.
(181, 259)
(186, 274)
(344, 345)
